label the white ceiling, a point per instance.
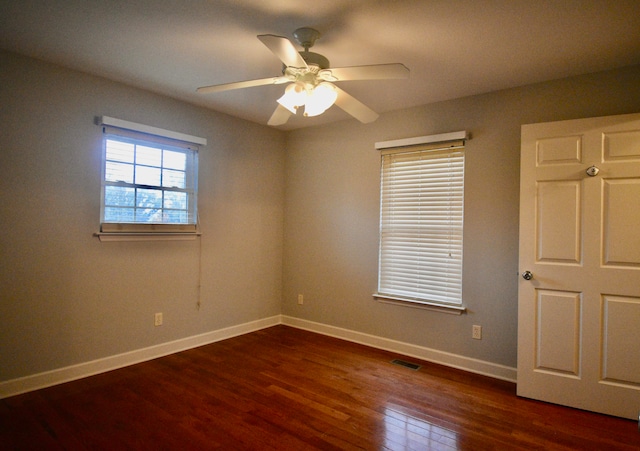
(454, 48)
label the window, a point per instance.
(421, 222)
(150, 180)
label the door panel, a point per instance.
(558, 218)
(558, 332)
(621, 350)
(621, 146)
(578, 318)
(559, 150)
(621, 222)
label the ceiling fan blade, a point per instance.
(355, 108)
(242, 84)
(280, 116)
(374, 72)
(283, 49)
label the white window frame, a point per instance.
(411, 232)
(130, 132)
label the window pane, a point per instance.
(147, 176)
(150, 198)
(146, 183)
(174, 160)
(115, 214)
(119, 196)
(176, 216)
(150, 215)
(175, 200)
(173, 179)
(149, 156)
(118, 172)
(119, 151)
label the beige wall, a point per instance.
(332, 202)
(66, 297)
(281, 214)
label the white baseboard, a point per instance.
(58, 376)
(47, 379)
(419, 352)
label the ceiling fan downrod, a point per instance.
(307, 37)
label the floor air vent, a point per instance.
(409, 365)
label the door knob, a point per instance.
(527, 275)
(592, 171)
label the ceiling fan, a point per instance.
(311, 81)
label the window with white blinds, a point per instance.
(150, 179)
(421, 222)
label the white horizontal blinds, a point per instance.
(421, 225)
(149, 182)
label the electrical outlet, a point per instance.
(476, 332)
(300, 299)
(158, 319)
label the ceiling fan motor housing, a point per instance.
(315, 59)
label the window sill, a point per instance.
(151, 236)
(424, 305)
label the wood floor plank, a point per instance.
(283, 388)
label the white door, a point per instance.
(579, 314)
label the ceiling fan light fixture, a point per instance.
(320, 99)
(294, 97)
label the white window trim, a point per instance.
(425, 142)
(134, 126)
(146, 236)
(423, 305)
(128, 232)
(420, 140)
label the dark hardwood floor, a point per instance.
(286, 389)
